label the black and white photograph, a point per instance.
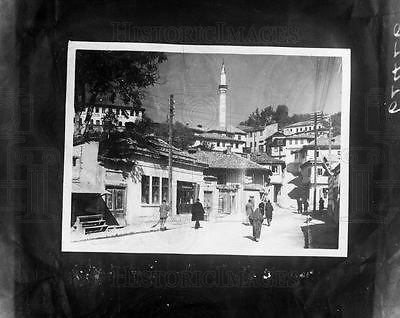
(206, 150)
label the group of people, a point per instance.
(302, 205)
(197, 214)
(256, 216)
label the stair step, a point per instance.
(93, 223)
(95, 229)
(87, 218)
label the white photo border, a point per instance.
(345, 54)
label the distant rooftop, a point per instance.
(264, 158)
(222, 160)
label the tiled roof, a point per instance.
(263, 158)
(249, 128)
(161, 151)
(222, 160)
(300, 123)
(217, 136)
(229, 128)
(302, 135)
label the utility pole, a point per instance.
(170, 123)
(316, 115)
(329, 141)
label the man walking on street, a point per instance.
(305, 206)
(164, 209)
(197, 213)
(299, 206)
(268, 212)
(321, 204)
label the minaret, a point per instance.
(222, 88)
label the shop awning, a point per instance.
(88, 188)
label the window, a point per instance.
(251, 144)
(338, 152)
(251, 134)
(260, 148)
(96, 110)
(317, 153)
(236, 145)
(164, 189)
(91, 121)
(239, 137)
(319, 171)
(145, 189)
(275, 169)
(74, 159)
(297, 129)
(97, 122)
(255, 144)
(115, 198)
(155, 190)
(218, 144)
(132, 112)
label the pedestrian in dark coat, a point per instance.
(197, 213)
(305, 205)
(256, 220)
(268, 212)
(299, 205)
(321, 204)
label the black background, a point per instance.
(55, 284)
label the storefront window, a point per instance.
(164, 190)
(155, 190)
(146, 189)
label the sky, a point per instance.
(253, 81)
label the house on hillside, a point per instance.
(277, 168)
(238, 179)
(221, 140)
(304, 127)
(256, 136)
(124, 113)
(329, 153)
(275, 145)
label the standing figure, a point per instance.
(261, 207)
(268, 212)
(197, 213)
(321, 204)
(249, 209)
(256, 220)
(305, 206)
(164, 209)
(299, 206)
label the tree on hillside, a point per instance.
(182, 136)
(260, 118)
(117, 75)
(281, 115)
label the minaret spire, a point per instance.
(222, 88)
